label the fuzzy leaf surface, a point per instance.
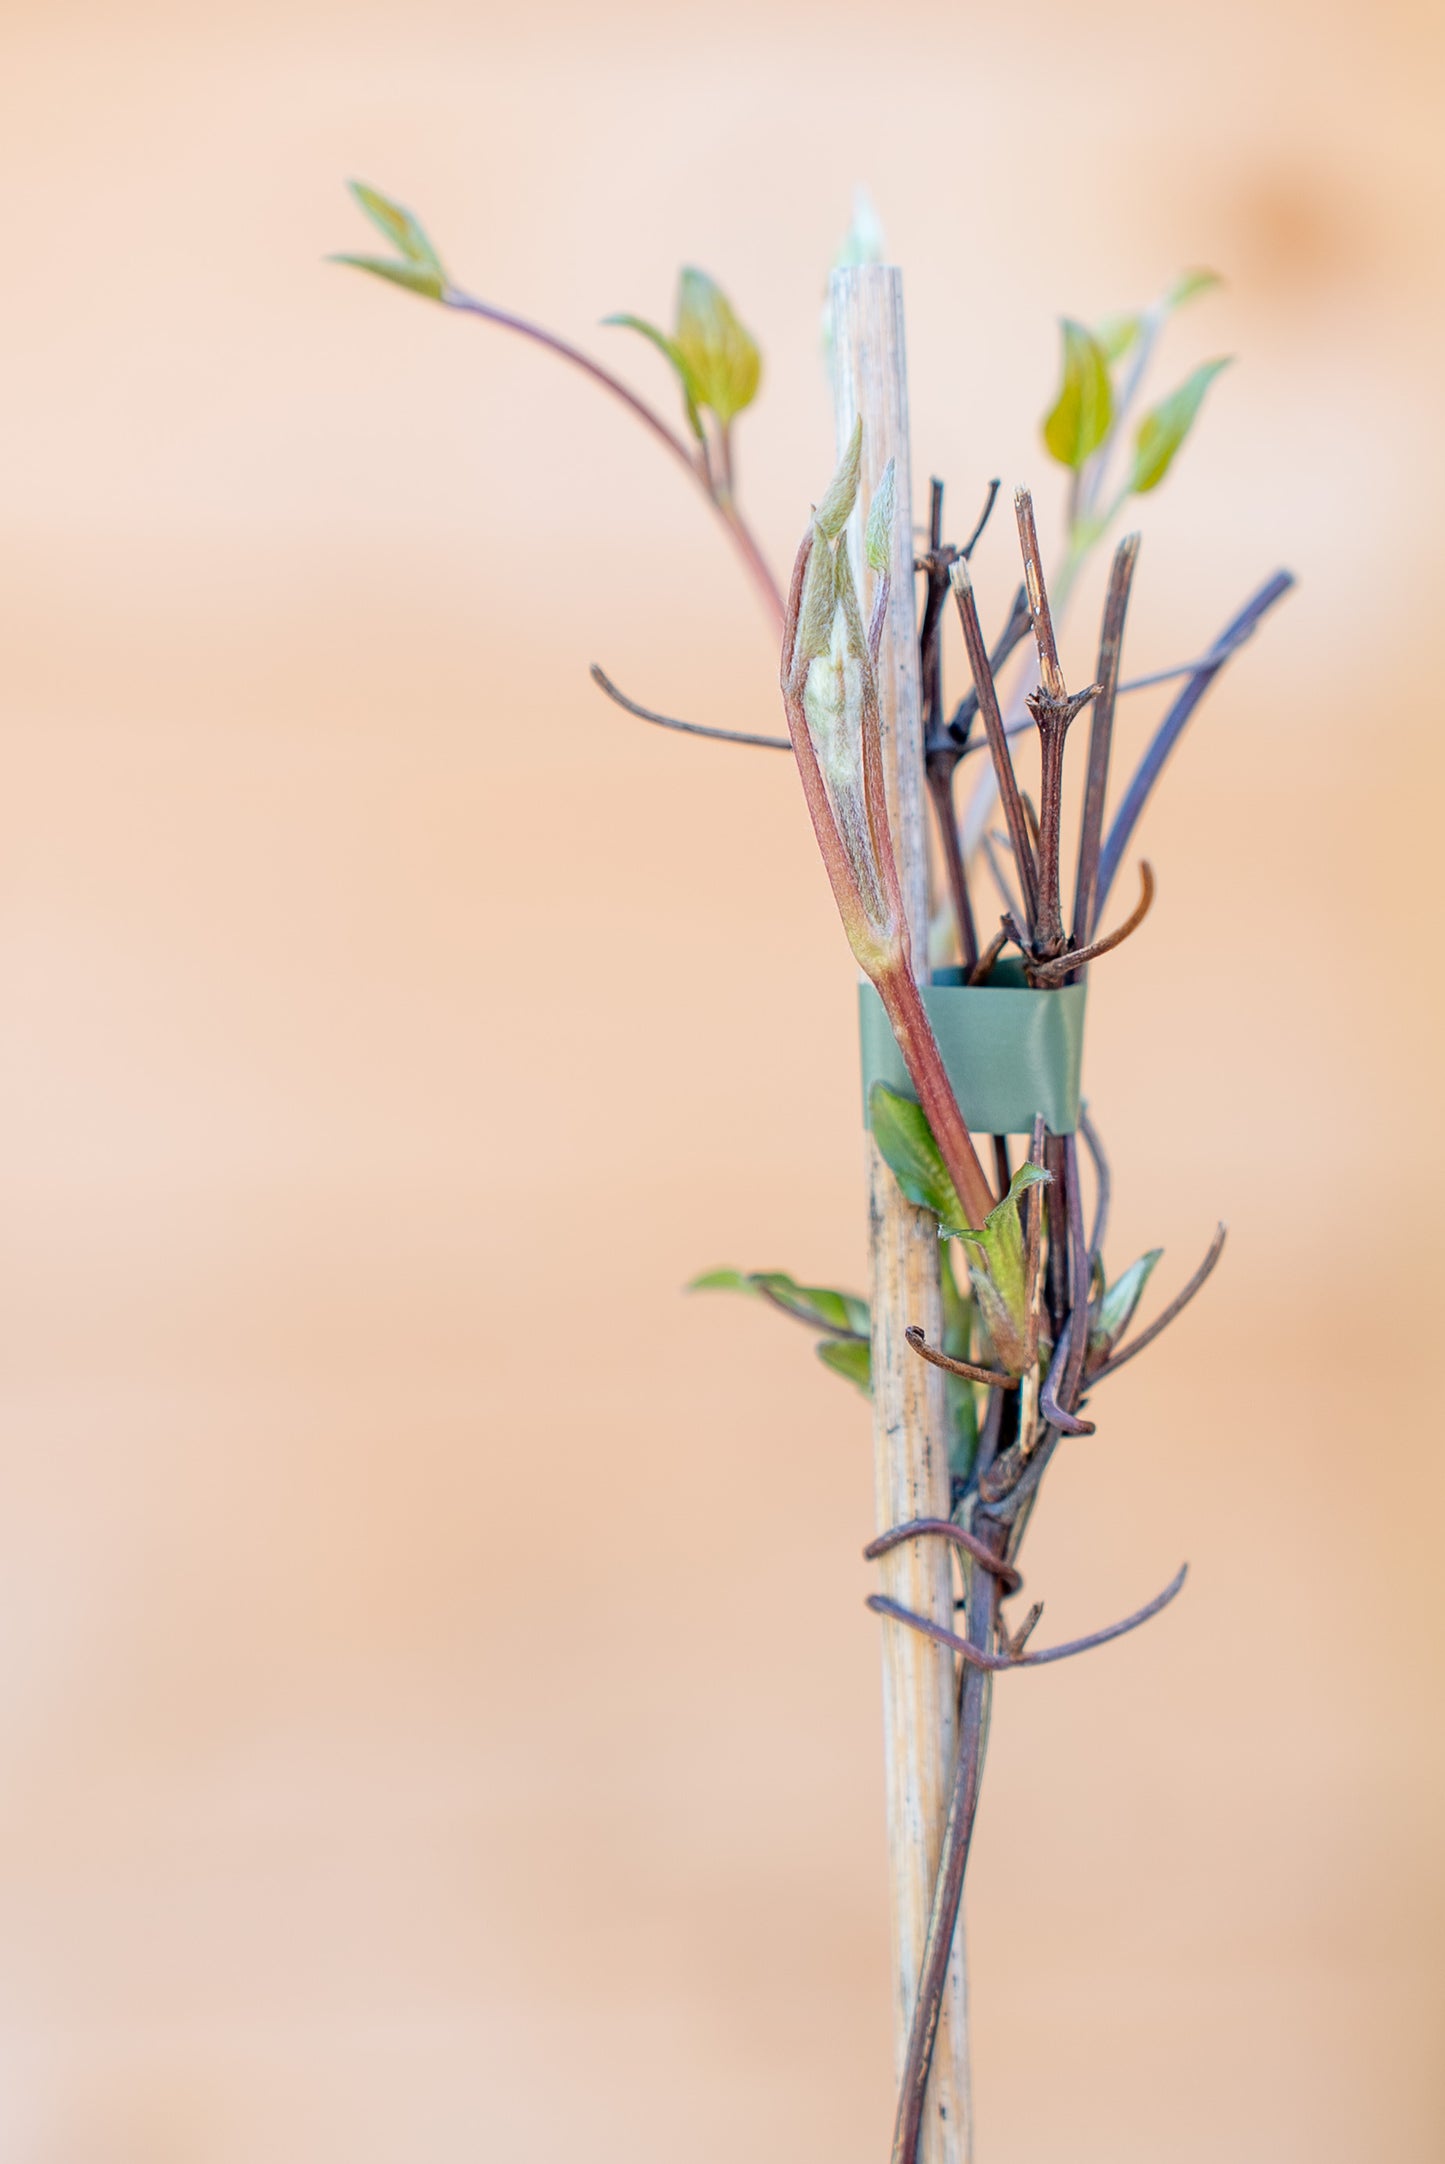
(996, 1265)
(1116, 1308)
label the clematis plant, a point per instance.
(1037, 1325)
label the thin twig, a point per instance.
(995, 1377)
(1078, 1326)
(975, 1657)
(983, 1600)
(688, 728)
(1014, 1642)
(1048, 974)
(997, 743)
(1014, 906)
(1053, 1397)
(1103, 1182)
(1171, 728)
(980, 1662)
(1051, 675)
(1162, 1321)
(1101, 735)
(983, 968)
(813, 1321)
(946, 1529)
(990, 499)
(1053, 711)
(939, 771)
(1056, 1203)
(1014, 632)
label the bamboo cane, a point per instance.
(909, 1434)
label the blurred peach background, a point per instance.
(439, 1715)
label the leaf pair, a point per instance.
(820, 1306)
(715, 359)
(419, 267)
(1084, 411)
(995, 1249)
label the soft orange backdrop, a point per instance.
(437, 1711)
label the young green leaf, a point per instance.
(399, 226)
(835, 509)
(821, 1306)
(1116, 1308)
(416, 277)
(1080, 419)
(901, 1130)
(878, 542)
(850, 1358)
(996, 1265)
(721, 356)
(1162, 431)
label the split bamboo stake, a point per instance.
(910, 1448)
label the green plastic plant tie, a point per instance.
(1011, 1053)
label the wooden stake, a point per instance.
(909, 1428)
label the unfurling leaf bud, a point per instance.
(879, 542)
(839, 497)
(716, 361)
(996, 1266)
(418, 268)
(722, 357)
(1116, 1306)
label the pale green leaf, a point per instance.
(721, 356)
(416, 277)
(1116, 1309)
(850, 1358)
(905, 1139)
(879, 538)
(836, 508)
(818, 1305)
(1162, 431)
(1081, 415)
(399, 226)
(996, 1266)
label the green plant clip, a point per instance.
(1011, 1053)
